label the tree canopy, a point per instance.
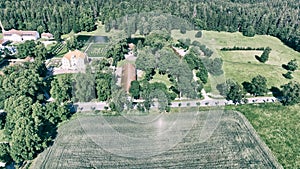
(290, 93)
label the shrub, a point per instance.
(288, 75)
(183, 29)
(264, 56)
(198, 34)
(291, 66)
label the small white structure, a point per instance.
(20, 36)
(74, 60)
(2, 164)
(47, 35)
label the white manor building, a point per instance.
(20, 36)
(74, 60)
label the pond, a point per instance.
(93, 39)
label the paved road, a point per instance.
(89, 106)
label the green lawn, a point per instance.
(1, 136)
(99, 31)
(161, 79)
(279, 127)
(123, 62)
(242, 65)
(1, 35)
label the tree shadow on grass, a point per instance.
(276, 92)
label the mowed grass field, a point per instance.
(279, 127)
(242, 65)
(233, 143)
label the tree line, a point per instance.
(289, 94)
(277, 18)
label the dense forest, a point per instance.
(273, 17)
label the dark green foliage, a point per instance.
(196, 63)
(249, 31)
(224, 88)
(202, 74)
(182, 29)
(30, 123)
(100, 65)
(2, 120)
(73, 43)
(290, 93)
(117, 49)
(291, 66)
(4, 153)
(158, 39)
(214, 66)
(26, 49)
(82, 16)
(257, 87)
(135, 89)
(183, 43)
(146, 60)
(84, 88)
(61, 88)
(206, 51)
(198, 34)
(167, 61)
(104, 83)
(276, 92)
(288, 75)
(25, 141)
(235, 93)
(264, 56)
(156, 92)
(119, 101)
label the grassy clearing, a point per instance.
(99, 31)
(1, 35)
(242, 65)
(123, 62)
(232, 145)
(161, 79)
(279, 127)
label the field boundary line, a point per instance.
(261, 143)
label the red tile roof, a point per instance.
(76, 53)
(49, 35)
(128, 75)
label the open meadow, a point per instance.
(233, 144)
(242, 65)
(279, 127)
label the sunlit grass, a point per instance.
(279, 127)
(161, 79)
(242, 65)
